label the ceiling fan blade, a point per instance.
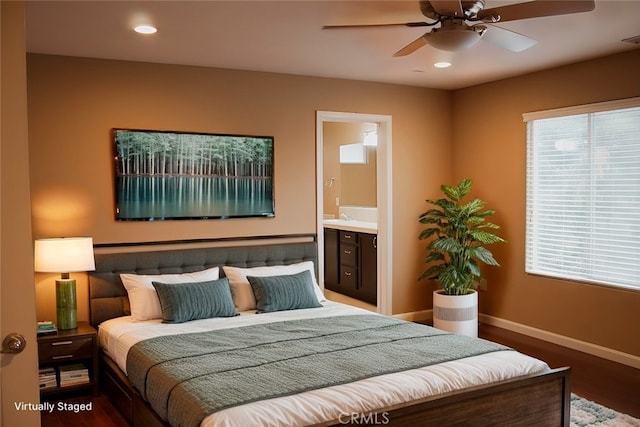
(508, 39)
(406, 24)
(448, 7)
(413, 46)
(536, 9)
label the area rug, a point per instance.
(585, 413)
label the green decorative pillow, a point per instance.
(181, 302)
(288, 292)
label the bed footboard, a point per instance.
(540, 400)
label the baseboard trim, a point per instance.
(415, 316)
(585, 347)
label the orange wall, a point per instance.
(74, 102)
(489, 146)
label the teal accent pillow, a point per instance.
(181, 302)
(288, 292)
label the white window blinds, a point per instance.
(583, 193)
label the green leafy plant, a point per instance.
(458, 232)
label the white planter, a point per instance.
(456, 313)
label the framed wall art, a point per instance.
(163, 175)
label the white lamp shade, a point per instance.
(64, 255)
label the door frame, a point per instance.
(384, 198)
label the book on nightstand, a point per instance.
(47, 378)
(73, 374)
(46, 327)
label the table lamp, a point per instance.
(64, 255)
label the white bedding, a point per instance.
(117, 336)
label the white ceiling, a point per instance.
(287, 37)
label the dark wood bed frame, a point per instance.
(540, 400)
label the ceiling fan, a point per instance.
(460, 24)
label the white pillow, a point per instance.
(241, 289)
(143, 298)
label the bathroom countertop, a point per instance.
(351, 225)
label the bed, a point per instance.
(345, 379)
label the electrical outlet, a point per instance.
(483, 285)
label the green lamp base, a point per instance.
(66, 305)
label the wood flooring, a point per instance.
(611, 384)
(608, 383)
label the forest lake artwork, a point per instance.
(178, 175)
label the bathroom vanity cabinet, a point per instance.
(351, 264)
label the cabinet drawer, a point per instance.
(349, 255)
(65, 349)
(348, 277)
(349, 237)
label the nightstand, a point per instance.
(65, 349)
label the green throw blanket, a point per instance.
(187, 377)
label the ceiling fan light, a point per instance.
(454, 39)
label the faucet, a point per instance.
(345, 217)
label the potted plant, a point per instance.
(458, 234)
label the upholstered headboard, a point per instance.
(108, 297)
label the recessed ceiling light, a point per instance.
(442, 64)
(145, 29)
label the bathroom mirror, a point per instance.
(349, 181)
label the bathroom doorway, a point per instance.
(325, 120)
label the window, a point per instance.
(583, 193)
(353, 154)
